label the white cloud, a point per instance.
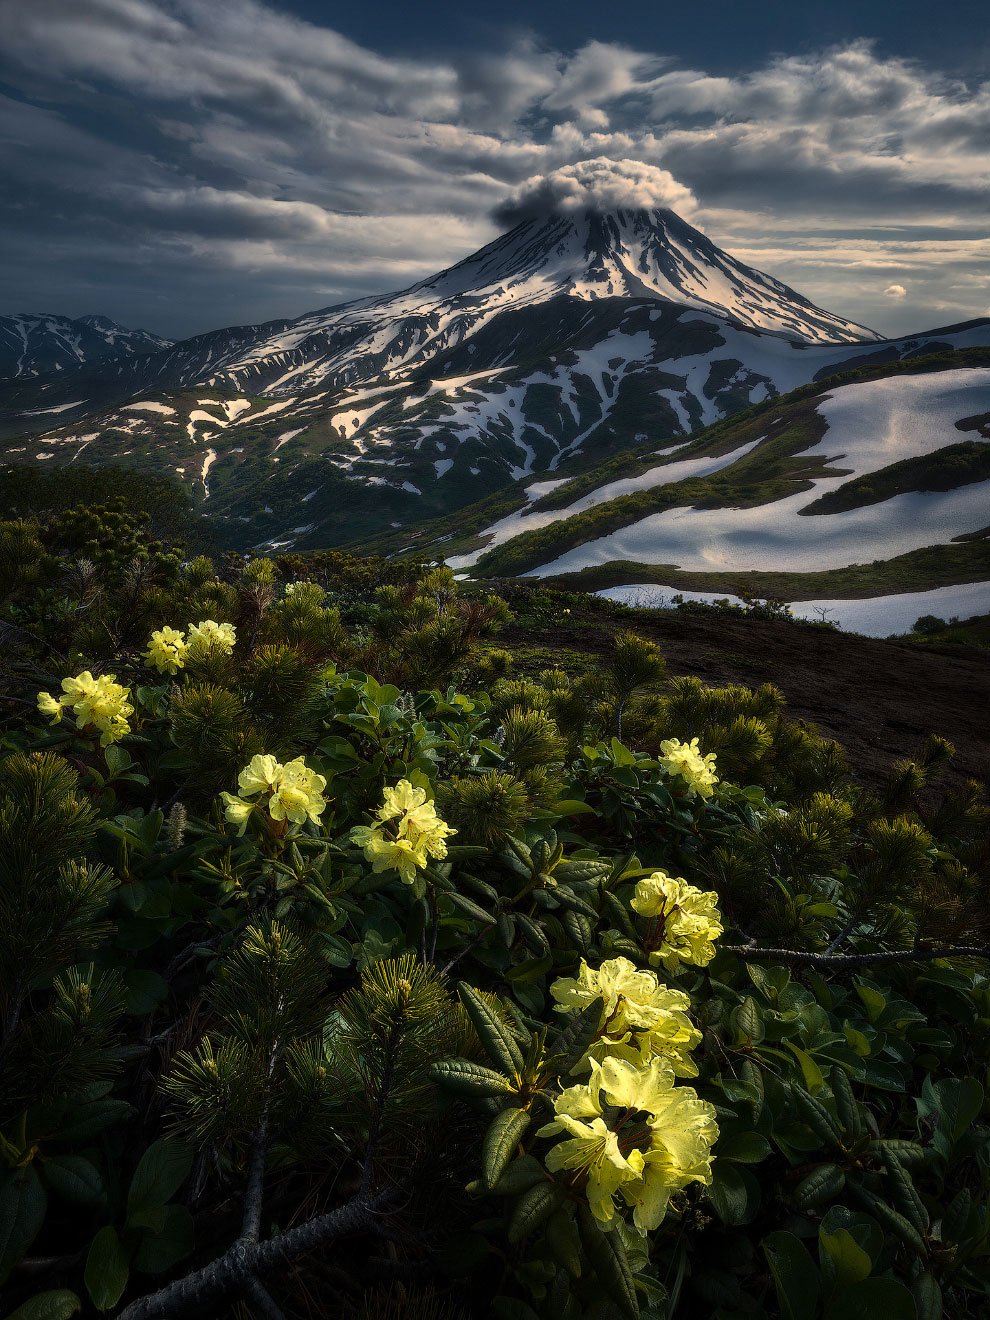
(895, 291)
(600, 184)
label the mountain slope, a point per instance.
(867, 471)
(34, 344)
(564, 342)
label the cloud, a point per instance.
(227, 161)
(600, 184)
(895, 291)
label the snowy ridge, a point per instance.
(34, 344)
(870, 425)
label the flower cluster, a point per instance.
(685, 759)
(641, 1019)
(631, 1132)
(101, 703)
(684, 921)
(169, 648)
(290, 792)
(407, 833)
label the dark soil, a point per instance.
(878, 699)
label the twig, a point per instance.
(751, 953)
(262, 1299)
(243, 1261)
(251, 1225)
(467, 948)
(846, 930)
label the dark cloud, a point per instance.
(195, 163)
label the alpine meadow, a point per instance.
(492, 775)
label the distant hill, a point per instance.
(39, 344)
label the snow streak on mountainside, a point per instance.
(865, 430)
(35, 343)
(566, 340)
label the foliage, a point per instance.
(341, 972)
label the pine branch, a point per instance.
(262, 1300)
(251, 1225)
(241, 1263)
(751, 953)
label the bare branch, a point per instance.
(244, 1261)
(751, 953)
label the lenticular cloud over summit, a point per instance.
(599, 184)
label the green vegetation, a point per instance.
(918, 570)
(968, 632)
(946, 469)
(336, 950)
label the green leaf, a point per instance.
(524, 1172)
(794, 1276)
(59, 1304)
(822, 1184)
(608, 1257)
(733, 1192)
(535, 1205)
(532, 969)
(161, 1171)
(145, 990)
(158, 1252)
(904, 1193)
(74, 1178)
(845, 1102)
(503, 1136)
(810, 1070)
(470, 908)
(23, 1202)
(927, 1297)
(956, 1217)
(86, 1120)
(470, 1078)
(872, 1299)
(851, 1262)
(107, 1267)
(744, 1148)
(512, 1308)
(747, 1022)
(562, 1239)
(496, 1038)
(873, 1001)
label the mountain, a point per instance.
(33, 344)
(563, 342)
(878, 484)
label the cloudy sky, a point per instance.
(189, 164)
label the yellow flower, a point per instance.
(237, 810)
(99, 703)
(685, 921)
(167, 650)
(289, 792)
(207, 636)
(686, 760)
(633, 999)
(407, 833)
(682, 1133)
(297, 793)
(49, 706)
(635, 1134)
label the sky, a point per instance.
(183, 165)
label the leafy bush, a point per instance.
(335, 979)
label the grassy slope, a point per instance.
(919, 570)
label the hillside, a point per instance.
(40, 344)
(881, 466)
(557, 347)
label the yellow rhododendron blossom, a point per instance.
(685, 759)
(290, 792)
(167, 650)
(634, 1134)
(641, 1019)
(99, 703)
(685, 921)
(207, 636)
(407, 834)
(49, 706)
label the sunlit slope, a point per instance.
(867, 471)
